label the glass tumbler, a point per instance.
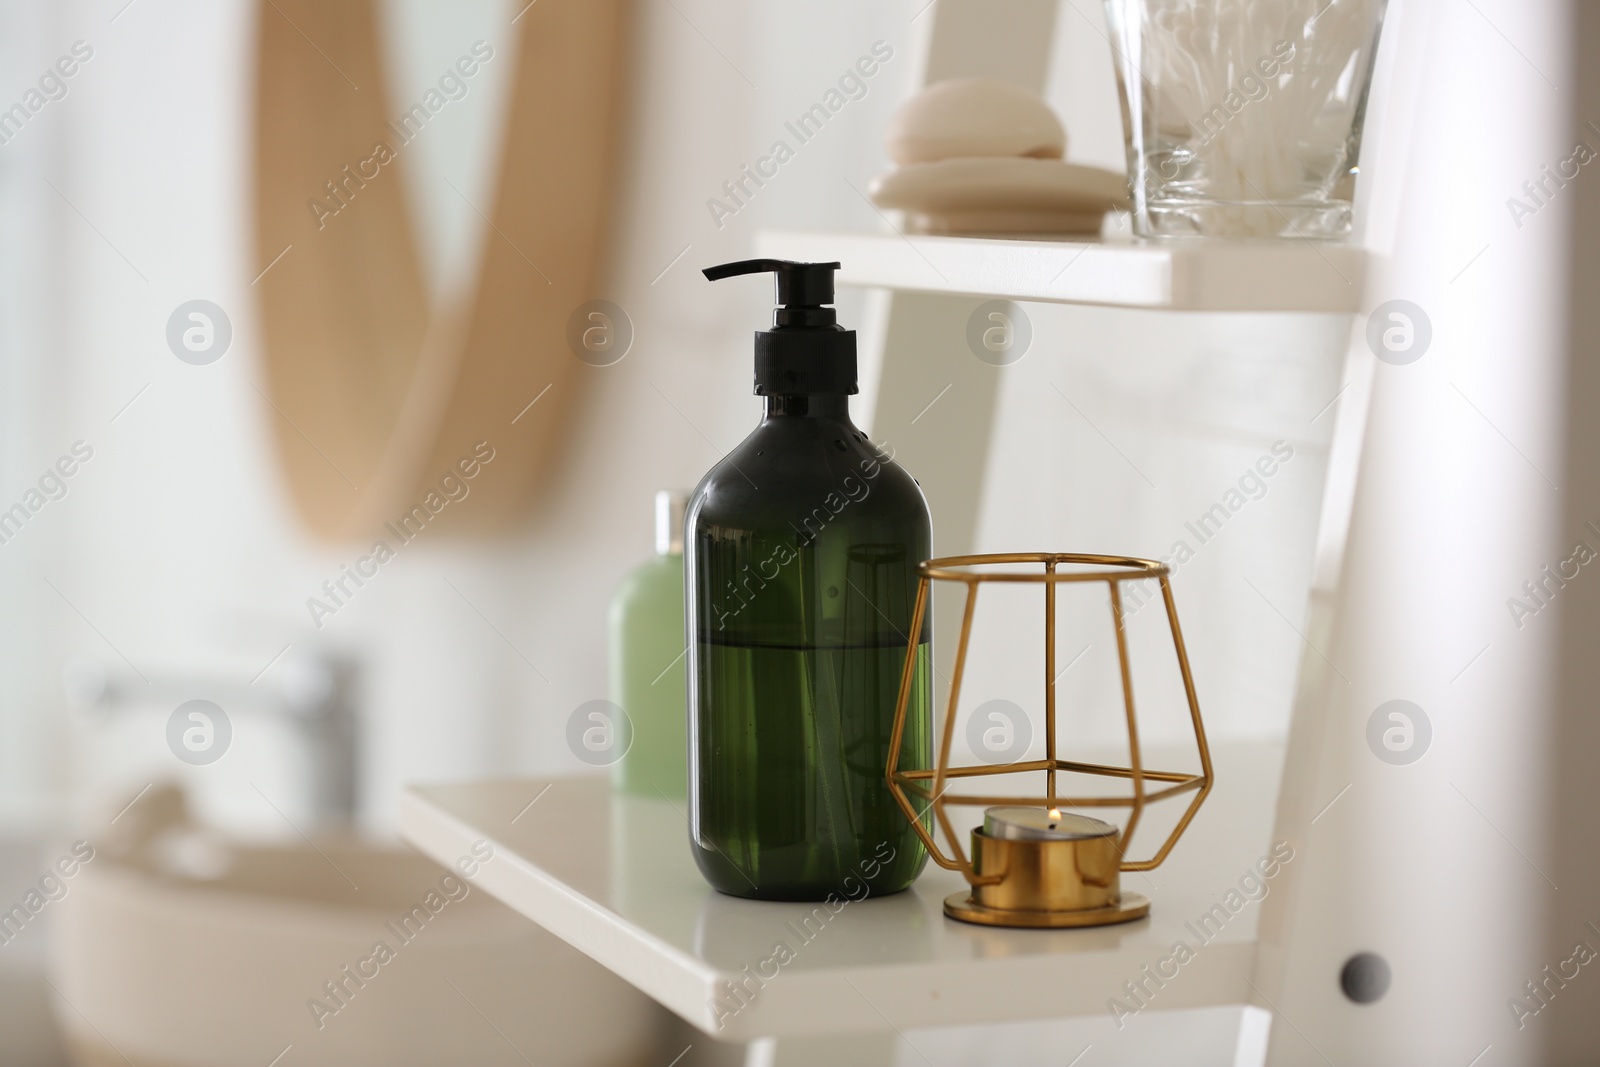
(1243, 117)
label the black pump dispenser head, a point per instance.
(806, 353)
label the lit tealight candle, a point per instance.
(1037, 824)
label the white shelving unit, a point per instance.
(613, 876)
(1177, 275)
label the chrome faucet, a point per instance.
(316, 695)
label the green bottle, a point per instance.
(802, 549)
(647, 656)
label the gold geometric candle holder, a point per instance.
(1034, 863)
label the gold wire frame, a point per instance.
(930, 785)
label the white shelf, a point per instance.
(613, 877)
(1197, 274)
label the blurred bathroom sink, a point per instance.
(178, 948)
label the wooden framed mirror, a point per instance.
(380, 392)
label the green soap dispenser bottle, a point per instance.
(647, 657)
(801, 549)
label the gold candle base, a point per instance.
(1046, 883)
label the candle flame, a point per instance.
(1055, 817)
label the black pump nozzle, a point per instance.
(799, 284)
(806, 352)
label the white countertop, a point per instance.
(613, 876)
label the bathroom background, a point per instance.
(173, 552)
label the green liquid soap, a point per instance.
(647, 663)
(802, 548)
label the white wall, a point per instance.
(1117, 433)
(33, 383)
